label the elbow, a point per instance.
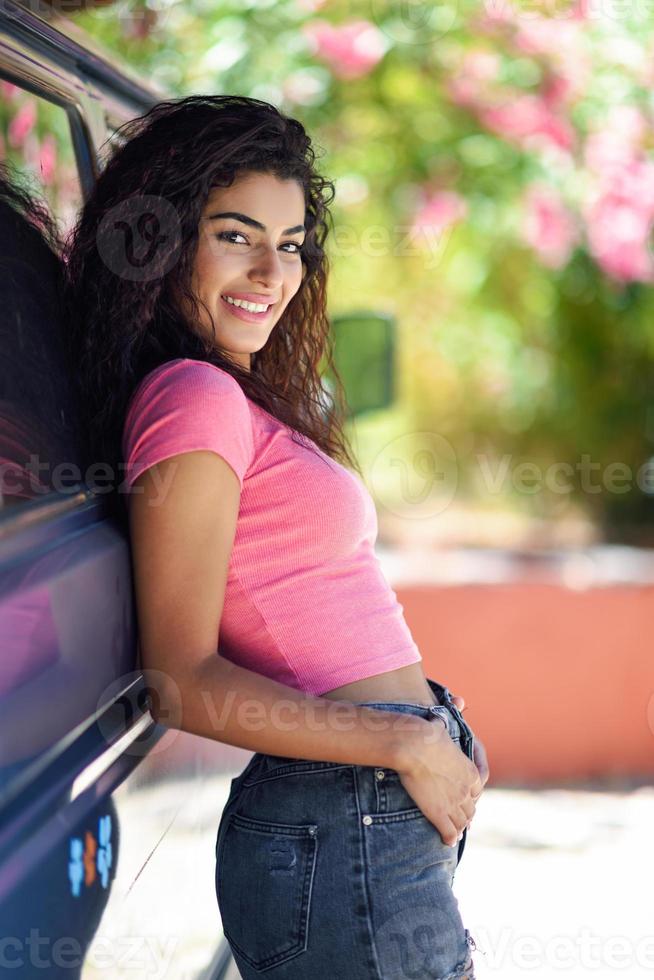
(162, 696)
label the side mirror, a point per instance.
(364, 351)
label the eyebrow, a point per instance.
(253, 222)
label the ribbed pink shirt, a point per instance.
(306, 601)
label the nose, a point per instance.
(267, 269)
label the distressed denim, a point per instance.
(329, 871)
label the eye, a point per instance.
(226, 236)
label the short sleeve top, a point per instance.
(306, 601)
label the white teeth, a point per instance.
(251, 307)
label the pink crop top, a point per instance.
(306, 601)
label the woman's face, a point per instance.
(249, 249)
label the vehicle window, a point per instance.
(35, 136)
(39, 443)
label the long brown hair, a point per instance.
(124, 319)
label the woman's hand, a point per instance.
(441, 779)
(479, 752)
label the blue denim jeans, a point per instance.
(329, 871)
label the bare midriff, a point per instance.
(403, 684)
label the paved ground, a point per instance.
(560, 882)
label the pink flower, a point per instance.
(548, 36)
(557, 43)
(351, 50)
(525, 117)
(548, 226)
(580, 10)
(48, 159)
(615, 146)
(9, 91)
(618, 236)
(22, 123)
(481, 65)
(619, 211)
(439, 211)
(634, 183)
(469, 86)
(566, 82)
(495, 15)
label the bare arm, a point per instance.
(181, 543)
(223, 701)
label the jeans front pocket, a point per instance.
(264, 884)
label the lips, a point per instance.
(251, 297)
(246, 315)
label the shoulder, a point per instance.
(186, 404)
(187, 385)
(184, 372)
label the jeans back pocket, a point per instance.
(264, 884)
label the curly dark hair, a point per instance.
(120, 327)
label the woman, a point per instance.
(197, 288)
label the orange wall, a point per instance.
(558, 683)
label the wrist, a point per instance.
(409, 747)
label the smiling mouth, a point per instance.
(238, 302)
(248, 315)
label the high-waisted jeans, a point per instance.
(329, 871)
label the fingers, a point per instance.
(448, 831)
(468, 809)
(476, 785)
(461, 821)
(481, 761)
